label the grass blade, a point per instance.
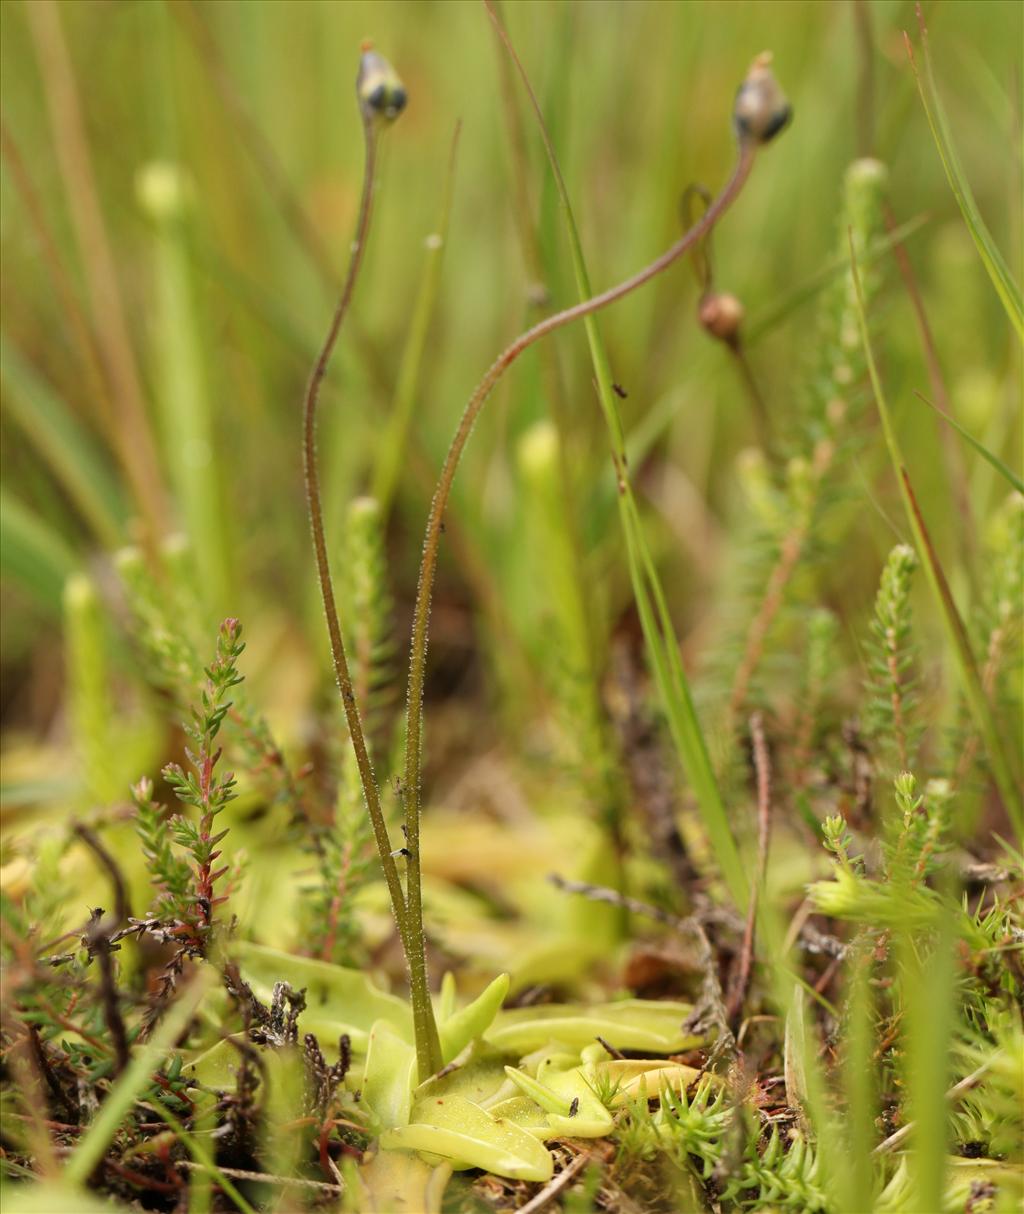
(67, 448)
(33, 554)
(768, 317)
(929, 992)
(659, 634)
(992, 259)
(859, 1081)
(1007, 473)
(981, 710)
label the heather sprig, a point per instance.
(819, 671)
(891, 718)
(201, 788)
(838, 840)
(167, 627)
(925, 822)
(163, 624)
(894, 895)
(343, 865)
(367, 596)
(169, 873)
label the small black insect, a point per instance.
(620, 391)
(574, 1107)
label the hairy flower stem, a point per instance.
(428, 566)
(371, 792)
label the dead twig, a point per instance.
(556, 1185)
(601, 893)
(291, 1182)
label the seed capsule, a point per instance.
(761, 109)
(380, 92)
(721, 314)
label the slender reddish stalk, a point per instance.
(367, 778)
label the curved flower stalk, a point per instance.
(381, 98)
(760, 113)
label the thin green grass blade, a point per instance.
(33, 554)
(659, 634)
(981, 710)
(127, 1089)
(859, 1083)
(68, 449)
(769, 317)
(1007, 290)
(804, 1069)
(684, 723)
(929, 996)
(1007, 473)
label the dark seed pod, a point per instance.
(381, 94)
(761, 108)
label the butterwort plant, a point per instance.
(760, 112)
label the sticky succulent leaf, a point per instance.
(455, 1129)
(396, 1182)
(389, 1076)
(525, 1113)
(216, 1067)
(627, 1078)
(480, 1078)
(549, 1100)
(446, 1000)
(45, 1198)
(582, 1115)
(472, 1021)
(569, 1098)
(631, 1024)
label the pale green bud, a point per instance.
(164, 190)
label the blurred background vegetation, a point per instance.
(179, 184)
